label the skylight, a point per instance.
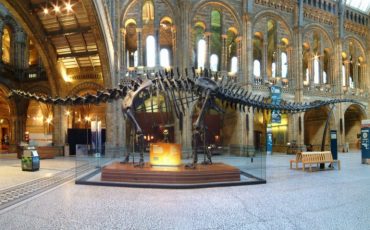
(361, 5)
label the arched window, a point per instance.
(201, 53)
(214, 62)
(351, 82)
(135, 59)
(316, 76)
(273, 70)
(234, 65)
(256, 68)
(284, 65)
(343, 75)
(307, 77)
(216, 31)
(150, 51)
(165, 58)
(324, 78)
(148, 12)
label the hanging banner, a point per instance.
(275, 99)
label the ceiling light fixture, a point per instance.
(68, 6)
(56, 8)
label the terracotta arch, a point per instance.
(319, 28)
(272, 14)
(126, 6)
(358, 42)
(221, 4)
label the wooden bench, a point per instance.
(318, 158)
(298, 158)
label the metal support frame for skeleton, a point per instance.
(178, 89)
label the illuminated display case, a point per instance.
(165, 167)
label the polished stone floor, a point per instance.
(291, 199)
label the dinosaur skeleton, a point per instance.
(179, 92)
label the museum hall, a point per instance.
(184, 114)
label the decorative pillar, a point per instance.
(59, 125)
(290, 77)
(355, 74)
(247, 57)
(347, 73)
(18, 51)
(140, 52)
(311, 71)
(184, 47)
(321, 70)
(207, 63)
(278, 64)
(174, 58)
(224, 54)
(264, 59)
(157, 47)
(1, 40)
(239, 54)
(123, 55)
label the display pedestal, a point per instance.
(217, 172)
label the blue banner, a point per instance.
(275, 99)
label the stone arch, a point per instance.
(129, 21)
(221, 127)
(273, 15)
(127, 5)
(314, 124)
(358, 42)
(317, 27)
(222, 5)
(4, 92)
(352, 125)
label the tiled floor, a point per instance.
(291, 199)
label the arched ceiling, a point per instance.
(66, 38)
(69, 31)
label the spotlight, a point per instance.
(56, 8)
(46, 11)
(68, 6)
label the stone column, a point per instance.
(18, 52)
(264, 59)
(311, 72)
(247, 55)
(59, 125)
(140, 52)
(290, 77)
(157, 47)
(173, 57)
(207, 63)
(330, 74)
(338, 67)
(224, 54)
(123, 53)
(346, 64)
(278, 64)
(321, 70)
(183, 46)
(239, 55)
(1, 40)
(355, 74)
